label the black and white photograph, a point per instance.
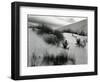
(53, 40)
(57, 40)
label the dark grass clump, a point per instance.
(51, 39)
(55, 38)
(55, 60)
(44, 29)
(59, 35)
(51, 59)
(60, 60)
(82, 33)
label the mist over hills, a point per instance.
(77, 25)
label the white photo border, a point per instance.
(25, 71)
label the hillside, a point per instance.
(77, 27)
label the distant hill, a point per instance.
(77, 28)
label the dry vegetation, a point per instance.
(45, 48)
